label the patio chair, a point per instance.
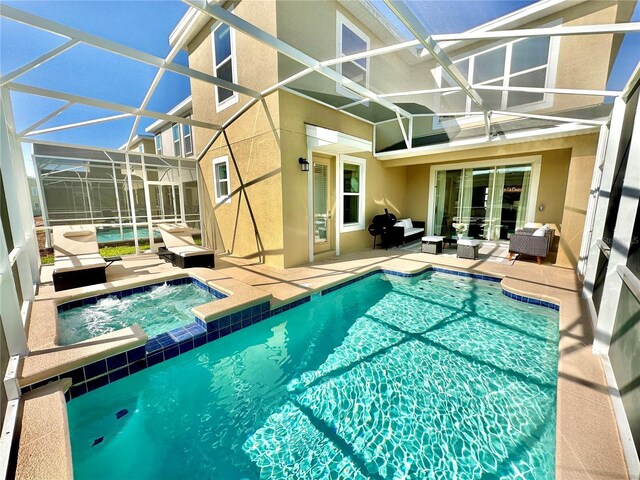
(532, 241)
(181, 249)
(77, 259)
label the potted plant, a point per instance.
(460, 228)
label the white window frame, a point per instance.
(362, 163)
(177, 150)
(157, 140)
(225, 198)
(546, 102)
(190, 135)
(233, 99)
(342, 20)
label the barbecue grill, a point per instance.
(384, 225)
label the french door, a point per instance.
(321, 206)
(491, 202)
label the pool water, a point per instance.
(108, 235)
(435, 376)
(158, 310)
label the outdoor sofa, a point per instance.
(411, 230)
(77, 260)
(180, 248)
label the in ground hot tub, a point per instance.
(156, 308)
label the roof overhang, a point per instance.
(525, 136)
(179, 110)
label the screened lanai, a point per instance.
(80, 80)
(86, 186)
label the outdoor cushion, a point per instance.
(468, 241)
(191, 250)
(540, 232)
(175, 235)
(79, 262)
(74, 240)
(405, 222)
(77, 233)
(412, 231)
(432, 238)
(175, 229)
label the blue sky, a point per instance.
(146, 26)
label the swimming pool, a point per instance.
(157, 309)
(109, 235)
(436, 376)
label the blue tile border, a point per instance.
(180, 340)
(532, 301)
(477, 276)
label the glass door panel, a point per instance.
(448, 191)
(491, 201)
(320, 183)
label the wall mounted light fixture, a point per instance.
(541, 207)
(304, 165)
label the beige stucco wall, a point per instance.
(576, 200)
(384, 187)
(310, 26)
(256, 65)
(230, 227)
(565, 180)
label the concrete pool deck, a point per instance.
(588, 445)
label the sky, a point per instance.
(146, 25)
(82, 70)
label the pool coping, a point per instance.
(134, 359)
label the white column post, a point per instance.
(620, 244)
(596, 180)
(147, 202)
(16, 190)
(132, 203)
(602, 203)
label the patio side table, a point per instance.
(468, 249)
(432, 244)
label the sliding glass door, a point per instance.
(491, 201)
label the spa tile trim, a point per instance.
(130, 291)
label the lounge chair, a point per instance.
(181, 249)
(77, 260)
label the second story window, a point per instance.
(224, 64)
(175, 134)
(186, 139)
(351, 40)
(158, 141)
(529, 62)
